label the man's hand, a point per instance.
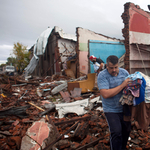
(107, 93)
(126, 82)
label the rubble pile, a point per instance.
(30, 118)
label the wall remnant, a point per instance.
(136, 32)
(83, 37)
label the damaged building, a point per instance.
(136, 32)
(57, 52)
(53, 52)
(101, 46)
(46, 112)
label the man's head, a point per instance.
(92, 58)
(112, 65)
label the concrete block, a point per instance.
(40, 134)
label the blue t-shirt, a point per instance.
(107, 81)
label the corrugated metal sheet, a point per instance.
(42, 41)
(43, 38)
(65, 35)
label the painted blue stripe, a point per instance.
(103, 49)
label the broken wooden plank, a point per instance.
(81, 131)
(72, 120)
(48, 110)
(90, 144)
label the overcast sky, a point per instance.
(24, 20)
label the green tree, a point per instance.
(2, 65)
(22, 56)
(11, 61)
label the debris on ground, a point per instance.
(40, 113)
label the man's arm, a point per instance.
(107, 93)
(101, 66)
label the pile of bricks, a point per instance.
(21, 109)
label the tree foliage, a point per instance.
(11, 61)
(2, 65)
(21, 56)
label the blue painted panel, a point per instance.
(103, 49)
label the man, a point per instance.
(111, 82)
(98, 63)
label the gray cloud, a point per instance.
(24, 20)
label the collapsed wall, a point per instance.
(84, 36)
(53, 49)
(136, 32)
